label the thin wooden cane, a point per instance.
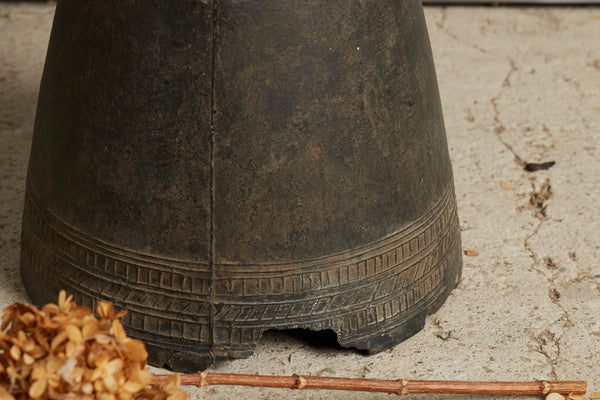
(399, 386)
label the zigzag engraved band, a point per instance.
(385, 282)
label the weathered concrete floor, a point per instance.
(518, 85)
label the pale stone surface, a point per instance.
(517, 84)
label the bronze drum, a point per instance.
(223, 168)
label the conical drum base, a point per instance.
(225, 168)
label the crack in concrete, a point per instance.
(547, 344)
(547, 341)
(499, 128)
(538, 197)
(441, 24)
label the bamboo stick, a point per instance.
(399, 386)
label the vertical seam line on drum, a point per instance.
(211, 250)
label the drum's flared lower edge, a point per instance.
(371, 300)
(205, 356)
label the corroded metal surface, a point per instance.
(224, 168)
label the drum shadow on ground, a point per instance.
(324, 340)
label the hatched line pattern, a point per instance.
(170, 299)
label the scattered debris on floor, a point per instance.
(538, 197)
(532, 167)
(471, 253)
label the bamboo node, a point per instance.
(546, 387)
(300, 381)
(403, 387)
(203, 379)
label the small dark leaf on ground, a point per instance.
(532, 167)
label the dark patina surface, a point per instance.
(221, 168)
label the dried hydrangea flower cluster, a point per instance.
(64, 352)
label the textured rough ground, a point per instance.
(518, 85)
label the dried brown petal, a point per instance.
(179, 395)
(38, 373)
(27, 359)
(73, 333)
(41, 340)
(21, 338)
(66, 370)
(29, 346)
(103, 339)
(132, 387)
(114, 366)
(105, 310)
(15, 352)
(8, 316)
(87, 388)
(137, 351)
(58, 340)
(71, 349)
(54, 363)
(118, 331)
(4, 341)
(110, 383)
(172, 384)
(4, 395)
(64, 302)
(55, 393)
(98, 386)
(37, 388)
(90, 328)
(141, 376)
(27, 319)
